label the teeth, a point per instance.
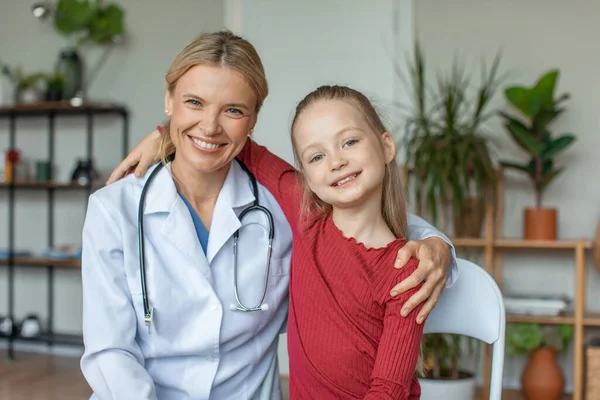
(348, 179)
(206, 145)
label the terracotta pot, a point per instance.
(542, 378)
(468, 224)
(540, 224)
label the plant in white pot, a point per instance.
(539, 109)
(445, 376)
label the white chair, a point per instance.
(474, 307)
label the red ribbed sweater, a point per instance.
(346, 337)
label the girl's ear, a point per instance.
(389, 147)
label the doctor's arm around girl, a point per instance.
(346, 207)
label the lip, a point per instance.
(333, 184)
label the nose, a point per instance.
(337, 162)
(210, 124)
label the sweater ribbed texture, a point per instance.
(346, 338)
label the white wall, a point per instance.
(535, 35)
(133, 75)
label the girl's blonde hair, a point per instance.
(393, 201)
(221, 49)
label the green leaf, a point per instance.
(107, 24)
(559, 144)
(543, 119)
(524, 138)
(518, 167)
(72, 15)
(544, 89)
(522, 99)
(548, 178)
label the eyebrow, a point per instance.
(338, 133)
(238, 105)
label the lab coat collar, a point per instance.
(162, 192)
(235, 194)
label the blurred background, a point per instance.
(507, 101)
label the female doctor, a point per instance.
(201, 317)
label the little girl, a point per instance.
(346, 337)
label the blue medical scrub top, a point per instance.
(200, 229)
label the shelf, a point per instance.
(42, 262)
(540, 244)
(61, 108)
(469, 242)
(65, 339)
(589, 319)
(48, 185)
(521, 244)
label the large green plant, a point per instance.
(89, 20)
(447, 151)
(540, 108)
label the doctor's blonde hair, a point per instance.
(222, 49)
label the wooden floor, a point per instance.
(46, 377)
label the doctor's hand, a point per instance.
(433, 255)
(139, 159)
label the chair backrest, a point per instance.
(473, 307)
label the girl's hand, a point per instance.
(139, 159)
(434, 257)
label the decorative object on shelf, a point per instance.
(542, 378)
(55, 86)
(70, 66)
(596, 247)
(27, 89)
(8, 327)
(30, 327)
(592, 389)
(11, 164)
(539, 108)
(7, 91)
(84, 22)
(535, 305)
(447, 152)
(43, 171)
(84, 173)
(66, 252)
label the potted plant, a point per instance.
(26, 88)
(54, 86)
(445, 376)
(447, 152)
(539, 108)
(85, 22)
(542, 377)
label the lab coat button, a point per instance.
(214, 305)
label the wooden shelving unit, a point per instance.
(493, 245)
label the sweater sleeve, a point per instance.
(279, 177)
(399, 346)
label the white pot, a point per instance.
(448, 389)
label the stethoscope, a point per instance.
(149, 311)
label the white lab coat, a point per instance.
(197, 348)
